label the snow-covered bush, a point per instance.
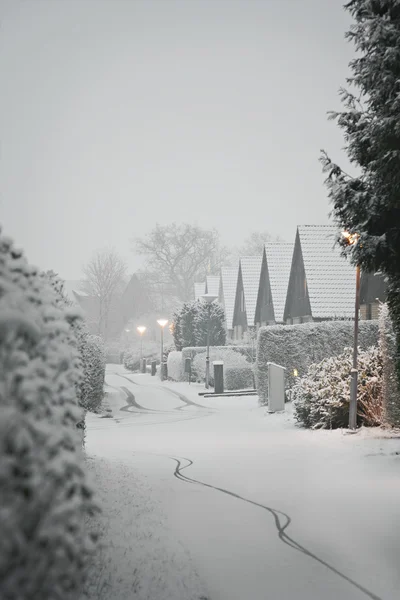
(92, 385)
(230, 358)
(296, 347)
(321, 398)
(174, 366)
(238, 378)
(191, 352)
(44, 497)
(390, 386)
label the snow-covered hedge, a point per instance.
(191, 352)
(238, 378)
(44, 495)
(321, 399)
(92, 385)
(131, 358)
(174, 365)
(299, 346)
(390, 387)
(230, 358)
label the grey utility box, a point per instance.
(188, 368)
(276, 388)
(144, 365)
(153, 367)
(218, 376)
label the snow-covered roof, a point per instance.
(212, 284)
(330, 277)
(229, 276)
(279, 261)
(251, 270)
(199, 290)
(72, 287)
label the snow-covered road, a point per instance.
(215, 499)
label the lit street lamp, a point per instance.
(209, 299)
(141, 329)
(162, 323)
(352, 238)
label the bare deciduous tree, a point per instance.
(179, 254)
(254, 243)
(105, 279)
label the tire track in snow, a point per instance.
(277, 515)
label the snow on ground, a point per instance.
(339, 491)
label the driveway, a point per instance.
(215, 499)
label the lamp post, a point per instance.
(352, 239)
(141, 329)
(162, 323)
(209, 299)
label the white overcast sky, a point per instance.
(117, 114)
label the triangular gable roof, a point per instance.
(72, 287)
(279, 261)
(251, 269)
(199, 290)
(330, 276)
(229, 277)
(212, 284)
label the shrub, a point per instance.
(92, 385)
(45, 497)
(238, 378)
(191, 352)
(321, 399)
(299, 346)
(390, 386)
(174, 365)
(231, 359)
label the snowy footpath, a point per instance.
(214, 499)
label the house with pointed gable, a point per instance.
(227, 295)
(248, 282)
(321, 282)
(274, 280)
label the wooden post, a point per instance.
(153, 367)
(188, 368)
(144, 365)
(218, 377)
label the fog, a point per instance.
(117, 114)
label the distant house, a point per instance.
(373, 290)
(248, 282)
(227, 295)
(322, 282)
(199, 290)
(212, 284)
(274, 280)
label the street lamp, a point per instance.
(141, 329)
(162, 323)
(209, 299)
(352, 239)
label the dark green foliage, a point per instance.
(390, 385)
(369, 204)
(190, 325)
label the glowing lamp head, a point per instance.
(127, 330)
(141, 329)
(162, 322)
(351, 238)
(295, 372)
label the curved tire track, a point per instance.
(277, 515)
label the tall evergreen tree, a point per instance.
(368, 203)
(217, 327)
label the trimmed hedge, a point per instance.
(299, 346)
(174, 366)
(238, 378)
(92, 387)
(390, 385)
(191, 352)
(45, 497)
(230, 359)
